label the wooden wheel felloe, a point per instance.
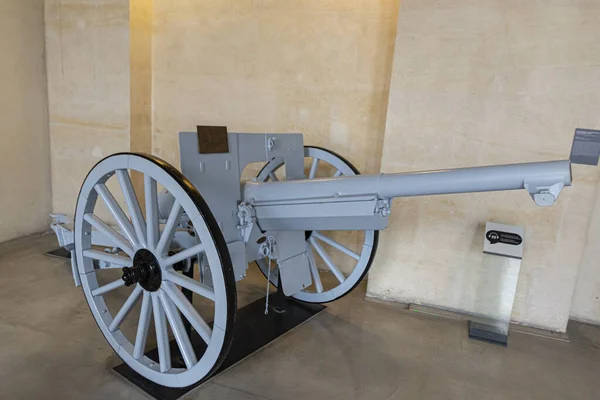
(356, 262)
(144, 251)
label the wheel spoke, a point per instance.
(188, 310)
(181, 337)
(190, 284)
(114, 260)
(162, 337)
(152, 227)
(336, 245)
(174, 259)
(169, 230)
(107, 288)
(313, 168)
(325, 257)
(110, 233)
(337, 173)
(314, 271)
(143, 325)
(203, 266)
(127, 306)
(273, 177)
(118, 213)
(133, 205)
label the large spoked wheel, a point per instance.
(339, 266)
(140, 281)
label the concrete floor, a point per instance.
(52, 349)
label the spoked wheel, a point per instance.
(339, 266)
(149, 272)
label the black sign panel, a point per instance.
(504, 237)
(212, 139)
(586, 147)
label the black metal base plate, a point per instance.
(487, 333)
(252, 331)
(59, 253)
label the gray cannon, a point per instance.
(208, 220)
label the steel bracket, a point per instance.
(543, 193)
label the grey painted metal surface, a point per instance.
(363, 202)
(328, 163)
(292, 261)
(537, 177)
(209, 218)
(167, 302)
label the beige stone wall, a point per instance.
(87, 43)
(317, 67)
(25, 195)
(472, 83)
(586, 299)
(478, 83)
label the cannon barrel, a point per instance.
(477, 179)
(538, 178)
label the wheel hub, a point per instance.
(145, 271)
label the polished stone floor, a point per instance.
(52, 349)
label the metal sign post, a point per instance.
(503, 251)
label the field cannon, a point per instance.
(199, 228)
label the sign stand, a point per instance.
(503, 251)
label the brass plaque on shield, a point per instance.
(212, 139)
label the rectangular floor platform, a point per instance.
(252, 331)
